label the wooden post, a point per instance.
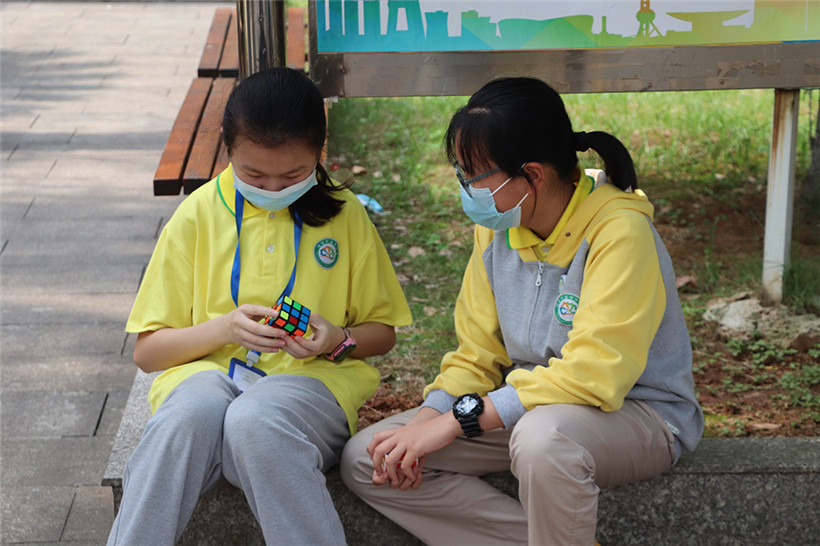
(780, 192)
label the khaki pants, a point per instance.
(561, 454)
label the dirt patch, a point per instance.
(757, 391)
(387, 401)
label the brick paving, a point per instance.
(89, 92)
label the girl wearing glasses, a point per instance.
(573, 368)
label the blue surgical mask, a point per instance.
(275, 200)
(480, 207)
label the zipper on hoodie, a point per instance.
(535, 306)
(538, 277)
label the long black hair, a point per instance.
(512, 121)
(280, 105)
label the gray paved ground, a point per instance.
(89, 93)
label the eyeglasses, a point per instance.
(466, 182)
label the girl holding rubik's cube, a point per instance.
(255, 396)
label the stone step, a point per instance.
(729, 491)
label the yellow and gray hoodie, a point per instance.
(590, 316)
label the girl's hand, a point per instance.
(394, 452)
(245, 329)
(324, 339)
(167, 347)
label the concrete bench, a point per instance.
(730, 491)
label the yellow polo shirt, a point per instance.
(343, 273)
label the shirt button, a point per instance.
(270, 248)
(272, 215)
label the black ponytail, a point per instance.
(618, 163)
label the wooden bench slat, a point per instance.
(229, 65)
(295, 38)
(168, 176)
(206, 143)
(212, 54)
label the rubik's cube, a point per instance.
(289, 315)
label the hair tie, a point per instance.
(581, 142)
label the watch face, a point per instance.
(466, 405)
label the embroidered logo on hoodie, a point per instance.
(565, 307)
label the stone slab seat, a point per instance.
(729, 491)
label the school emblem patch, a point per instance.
(565, 308)
(326, 253)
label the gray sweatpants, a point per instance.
(275, 442)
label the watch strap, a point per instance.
(470, 426)
(342, 349)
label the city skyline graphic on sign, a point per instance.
(427, 25)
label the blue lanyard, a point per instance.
(239, 208)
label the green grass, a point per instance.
(702, 141)
(686, 146)
(686, 138)
(801, 284)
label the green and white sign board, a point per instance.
(483, 25)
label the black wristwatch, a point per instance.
(466, 410)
